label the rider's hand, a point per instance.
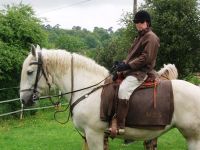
(115, 65)
(115, 76)
(122, 67)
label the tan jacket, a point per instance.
(143, 53)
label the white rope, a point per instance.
(16, 87)
(22, 109)
(16, 99)
(10, 100)
(28, 109)
(14, 112)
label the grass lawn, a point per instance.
(42, 132)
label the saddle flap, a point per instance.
(142, 111)
(108, 100)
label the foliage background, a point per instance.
(177, 23)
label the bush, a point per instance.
(193, 79)
(19, 28)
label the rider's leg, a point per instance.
(122, 110)
(128, 85)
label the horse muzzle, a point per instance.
(29, 98)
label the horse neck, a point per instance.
(84, 74)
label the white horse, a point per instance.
(57, 67)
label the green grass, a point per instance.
(42, 132)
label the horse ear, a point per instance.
(38, 47)
(33, 50)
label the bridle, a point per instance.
(40, 72)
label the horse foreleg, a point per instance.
(105, 140)
(95, 139)
(193, 144)
(150, 144)
(85, 145)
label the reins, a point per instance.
(70, 105)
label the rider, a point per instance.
(140, 62)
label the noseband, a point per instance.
(40, 70)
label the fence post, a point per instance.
(22, 110)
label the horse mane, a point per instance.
(61, 60)
(169, 71)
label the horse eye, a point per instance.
(29, 72)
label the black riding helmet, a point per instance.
(142, 16)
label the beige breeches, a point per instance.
(128, 85)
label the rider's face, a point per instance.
(141, 25)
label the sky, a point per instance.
(84, 13)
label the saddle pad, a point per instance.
(141, 107)
(142, 113)
(108, 100)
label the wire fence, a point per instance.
(10, 100)
(28, 109)
(2, 89)
(22, 107)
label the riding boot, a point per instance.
(121, 113)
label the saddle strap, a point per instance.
(151, 84)
(155, 95)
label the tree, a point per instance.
(19, 28)
(116, 47)
(70, 43)
(101, 34)
(177, 23)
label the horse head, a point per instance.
(33, 77)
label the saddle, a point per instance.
(151, 105)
